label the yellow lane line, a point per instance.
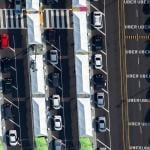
(121, 75)
(126, 78)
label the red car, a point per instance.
(4, 40)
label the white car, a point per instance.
(13, 139)
(102, 124)
(98, 61)
(98, 19)
(100, 99)
(57, 123)
(56, 101)
(54, 57)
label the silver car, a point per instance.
(18, 7)
(54, 57)
(100, 99)
(102, 124)
(56, 101)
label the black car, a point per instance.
(55, 79)
(7, 111)
(97, 43)
(99, 81)
(7, 85)
(5, 64)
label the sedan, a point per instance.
(99, 81)
(54, 57)
(4, 40)
(57, 123)
(98, 61)
(102, 124)
(100, 99)
(13, 140)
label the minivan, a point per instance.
(54, 57)
(97, 19)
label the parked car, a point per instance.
(97, 43)
(7, 85)
(5, 64)
(57, 123)
(13, 139)
(56, 101)
(100, 99)
(4, 40)
(102, 124)
(98, 61)
(58, 145)
(99, 81)
(98, 19)
(54, 57)
(18, 7)
(7, 111)
(55, 79)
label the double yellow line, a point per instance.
(123, 73)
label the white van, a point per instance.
(56, 101)
(98, 19)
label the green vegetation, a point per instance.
(41, 143)
(1, 145)
(86, 143)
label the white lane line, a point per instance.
(139, 83)
(140, 107)
(103, 144)
(1, 18)
(98, 30)
(104, 71)
(52, 18)
(57, 19)
(11, 18)
(138, 60)
(68, 19)
(14, 123)
(94, 7)
(104, 90)
(6, 17)
(22, 20)
(17, 21)
(104, 53)
(105, 109)
(47, 18)
(11, 102)
(108, 129)
(140, 129)
(62, 18)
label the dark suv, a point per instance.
(55, 79)
(99, 81)
(5, 64)
(7, 111)
(97, 43)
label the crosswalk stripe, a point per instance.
(57, 19)
(52, 18)
(6, 18)
(1, 18)
(62, 19)
(17, 21)
(47, 18)
(67, 14)
(22, 20)
(11, 19)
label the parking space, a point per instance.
(98, 46)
